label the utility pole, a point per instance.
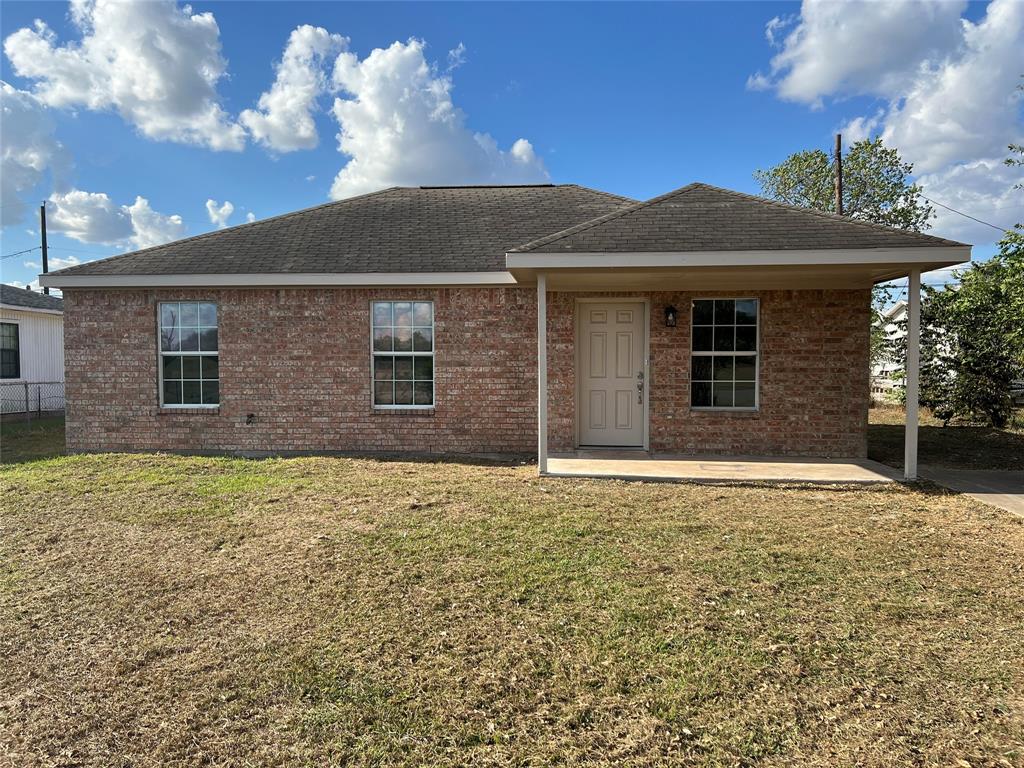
(42, 236)
(839, 174)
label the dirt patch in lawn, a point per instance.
(181, 611)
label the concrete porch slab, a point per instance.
(637, 465)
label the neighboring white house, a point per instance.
(882, 381)
(31, 351)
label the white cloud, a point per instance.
(964, 106)
(400, 127)
(219, 214)
(868, 47)
(250, 217)
(456, 57)
(29, 150)
(949, 87)
(53, 263)
(32, 286)
(284, 121)
(982, 188)
(92, 217)
(154, 63)
(775, 26)
(759, 82)
(152, 228)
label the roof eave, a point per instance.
(929, 257)
(280, 280)
(20, 308)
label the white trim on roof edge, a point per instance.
(18, 308)
(822, 256)
(278, 280)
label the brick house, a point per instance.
(428, 319)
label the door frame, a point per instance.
(577, 394)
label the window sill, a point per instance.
(403, 410)
(208, 410)
(729, 411)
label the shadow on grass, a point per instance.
(40, 438)
(954, 447)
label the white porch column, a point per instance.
(542, 373)
(913, 373)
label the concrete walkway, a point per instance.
(1000, 488)
(637, 465)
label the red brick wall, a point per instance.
(813, 377)
(299, 361)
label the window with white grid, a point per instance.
(403, 354)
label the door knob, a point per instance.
(640, 388)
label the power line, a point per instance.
(78, 250)
(966, 215)
(18, 253)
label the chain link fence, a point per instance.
(31, 398)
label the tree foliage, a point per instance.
(1016, 158)
(972, 339)
(876, 186)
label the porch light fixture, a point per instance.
(671, 313)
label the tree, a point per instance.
(972, 339)
(876, 186)
(1016, 158)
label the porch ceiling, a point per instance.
(777, 277)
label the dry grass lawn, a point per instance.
(176, 611)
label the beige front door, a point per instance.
(612, 343)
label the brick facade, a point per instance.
(298, 361)
(814, 347)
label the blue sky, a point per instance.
(636, 99)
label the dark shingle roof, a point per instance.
(402, 229)
(19, 297)
(700, 217)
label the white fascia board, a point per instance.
(280, 280)
(929, 254)
(15, 308)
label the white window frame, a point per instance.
(374, 354)
(21, 359)
(160, 357)
(756, 355)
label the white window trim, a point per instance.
(433, 348)
(756, 354)
(160, 360)
(20, 378)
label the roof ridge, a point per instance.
(584, 226)
(591, 223)
(827, 214)
(601, 192)
(201, 235)
(484, 186)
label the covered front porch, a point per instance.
(729, 334)
(806, 419)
